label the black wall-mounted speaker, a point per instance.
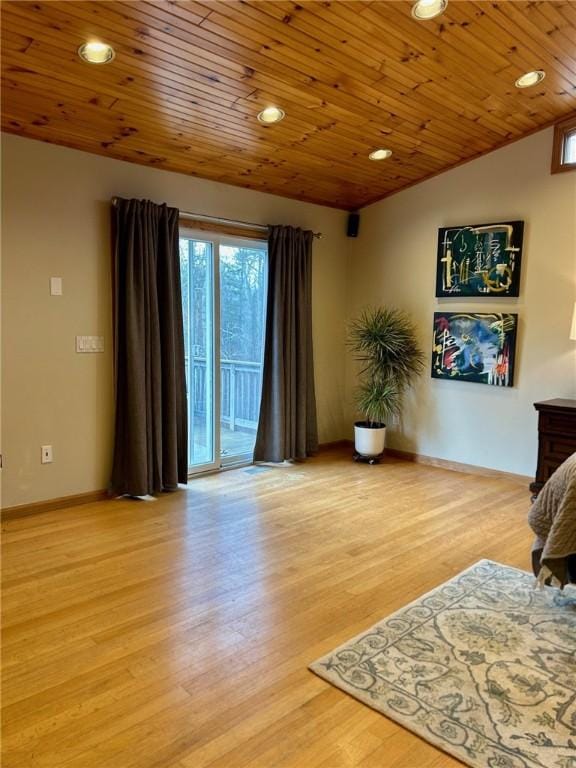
(353, 225)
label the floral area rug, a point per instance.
(484, 667)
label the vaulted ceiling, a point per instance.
(189, 79)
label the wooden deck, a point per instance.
(176, 633)
(232, 442)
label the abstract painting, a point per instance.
(471, 346)
(479, 260)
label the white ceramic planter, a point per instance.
(369, 441)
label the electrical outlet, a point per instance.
(46, 454)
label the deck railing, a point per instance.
(240, 391)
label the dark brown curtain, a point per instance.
(150, 449)
(287, 425)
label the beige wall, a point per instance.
(394, 263)
(56, 223)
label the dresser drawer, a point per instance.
(549, 463)
(557, 449)
(547, 469)
(558, 423)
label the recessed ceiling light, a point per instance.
(530, 78)
(380, 154)
(428, 9)
(95, 52)
(271, 115)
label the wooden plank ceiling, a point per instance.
(190, 77)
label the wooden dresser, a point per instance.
(556, 437)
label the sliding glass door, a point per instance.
(197, 267)
(242, 268)
(224, 299)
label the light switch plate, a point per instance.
(55, 286)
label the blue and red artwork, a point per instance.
(473, 346)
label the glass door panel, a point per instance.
(242, 269)
(197, 272)
(224, 304)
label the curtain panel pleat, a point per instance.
(151, 423)
(287, 427)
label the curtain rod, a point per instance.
(233, 222)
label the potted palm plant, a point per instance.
(384, 341)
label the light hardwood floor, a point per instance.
(176, 633)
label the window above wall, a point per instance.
(564, 147)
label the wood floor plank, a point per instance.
(177, 634)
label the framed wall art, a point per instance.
(479, 260)
(474, 346)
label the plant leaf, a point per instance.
(385, 342)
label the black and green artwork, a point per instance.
(479, 260)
